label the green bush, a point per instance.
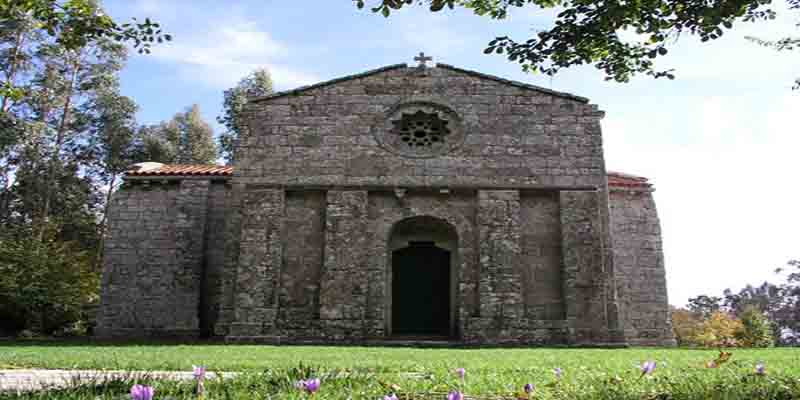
(756, 329)
(44, 284)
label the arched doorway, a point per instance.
(423, 252)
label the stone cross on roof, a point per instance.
(422, 59)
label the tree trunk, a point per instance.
(4, 106)
(60, 133)
(100, 246)
(12, 70)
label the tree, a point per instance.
(74, 24)
(44, 285)
(787, 315)
(65, 134)
(112, 146)
(65, 96)
(258, 83)
(787, 43)
(686, 326)
(719, 329)
(756, 329)
(587, 32)
(705, 305)
(185, 139)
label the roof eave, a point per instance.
(301, 89)
(518, 84)
(521, 85)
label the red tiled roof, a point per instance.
(155, 169)
(621, 180)
(615, 179)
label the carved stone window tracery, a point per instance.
(420, 129)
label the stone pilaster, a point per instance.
(190, 225)
(259, 264)
(344, 285)
(500, 284)
(590, 308)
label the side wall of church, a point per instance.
(156, 277)
(639, 263)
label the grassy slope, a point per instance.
(379, 359)
(353, 372)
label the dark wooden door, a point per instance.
(421, 290)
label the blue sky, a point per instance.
(720, 142)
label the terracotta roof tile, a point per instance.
(154, 169)
(621, 180)
(615, 179)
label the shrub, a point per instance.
(44, 284)
(756, 330)
(718, 330)
(686, 326)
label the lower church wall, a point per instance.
(214, 250)
(541, 257)
(639, 266)
(303, 259)
(183, 258)
(153, 260)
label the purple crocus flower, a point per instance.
(760, 369)
(199, 372)
(557, 372)
(300, 385)
(528, 388)
(141, 392)
(390, 397)
(455, 395)
(312, 385)
(647, 367)
(460, 372)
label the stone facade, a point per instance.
(342, 187)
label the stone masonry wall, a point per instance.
(303, 263)
(542, 278)
(256, 284)
(214, 261)
(513, 136)
(504, 138)
(586, 279)
(153, 260)
(639, 262)
(296, 244)
(344, 284)
(456, 209)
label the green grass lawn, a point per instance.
(365, 372)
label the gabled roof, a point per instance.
(615, 179)
(509, 82)
(326, 83)
(518, 84)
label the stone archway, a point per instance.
(423, 253)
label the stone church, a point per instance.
(411, 203)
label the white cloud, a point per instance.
(219, 57)
(727, 195)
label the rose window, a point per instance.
(421, 129)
